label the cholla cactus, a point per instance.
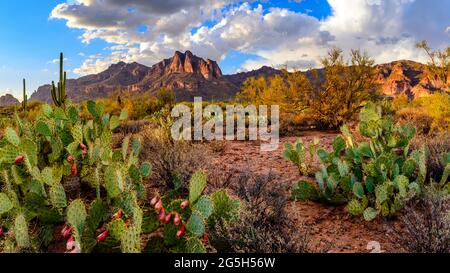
(38, 159)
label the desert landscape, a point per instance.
(91, 164)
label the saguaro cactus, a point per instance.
(25, 97)
(59, 95)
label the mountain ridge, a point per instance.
(190, 76)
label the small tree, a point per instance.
(166, 97)
(439, 65)
(338, 91)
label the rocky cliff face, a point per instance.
(8, 100)
(190, 76)
(406, 78)
(185, 73)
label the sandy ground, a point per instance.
(333, 229)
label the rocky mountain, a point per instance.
(406, 77)
(190, 76)
(185, 73)
(239, 78)
(8, 100)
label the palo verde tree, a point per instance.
(439, 65)
(339, 90)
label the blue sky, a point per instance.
(241, 36)
(31, 40)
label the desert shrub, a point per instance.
(425, 224)
(218, 146)
(400, 102)
(438, 107)
(418, 117)
(264, 225)
(430, 114)
(173, 161)
(131, 127)
(166, 97)
(438, 148)
(373, 177)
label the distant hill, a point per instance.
(185, 73)
(190, 76)
(8, 100)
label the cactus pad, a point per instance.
(58, 196)
(197, 186)
(5, 203)
(196, 224)
(76, 216)
(21, 231)
(204, 206)
(370, 214)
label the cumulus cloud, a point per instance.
(386, 29)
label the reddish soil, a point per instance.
(332, 228)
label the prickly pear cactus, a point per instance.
(185, 223)
(374, 177)
(296, 153)
(40, 159)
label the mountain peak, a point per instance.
(191, 64)
(8, 100)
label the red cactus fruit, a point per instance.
(74, 169)
(64, 229)
(70, 159)
(168, 218)
(159, 206)
(162, 215)
(82, 146)
(185, 204)
(181, 232)
(67, 233)
(177, 219)
(154, 201)
(20, 159)
(102, 236)
(1, 232)
(118, 214)
(206, 239)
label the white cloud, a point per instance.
(387, 30)
(56, 61)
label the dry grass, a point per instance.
(264, 225)
(437, 146)
(171, 160)
(416, 116)
(426, 225)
